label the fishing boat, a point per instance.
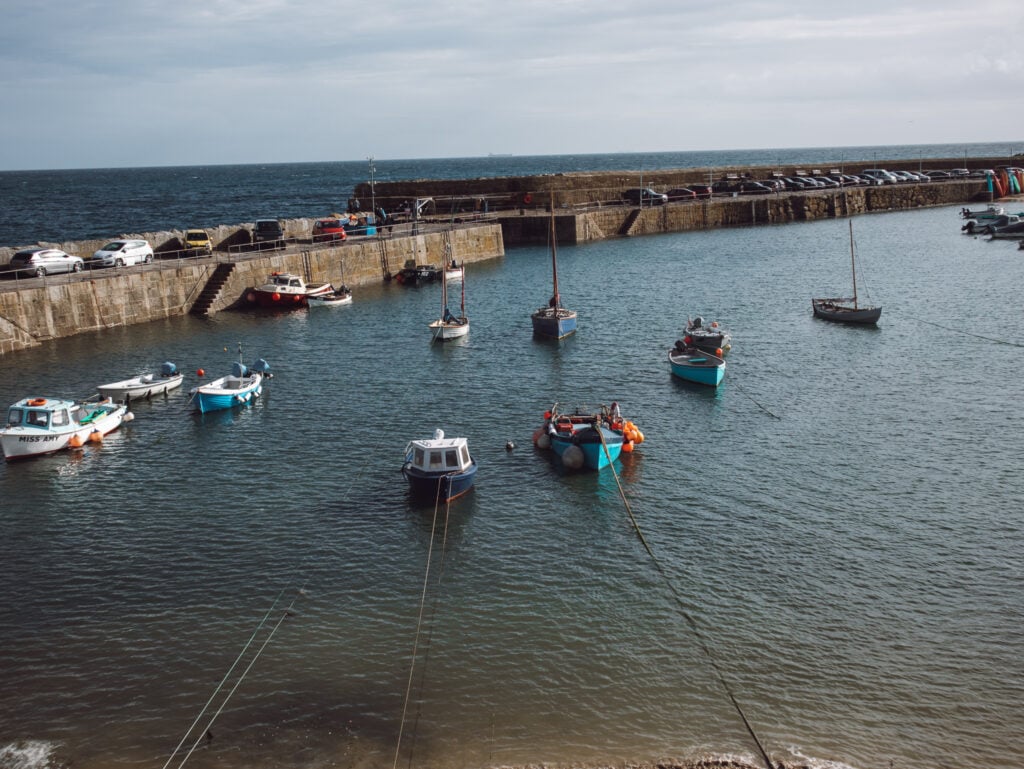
(844, 310)
(285, 290)
(439, 468)
(239, 388)
(428, 273)
(583, 437)
(333, 298)
(453, 271)
(696, 365)
(450, 325)
(554, 321)
(707, 336)
(991, 211)
(37, 426)
(144, 385)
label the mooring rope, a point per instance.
(682, 609)
(284, 615)
(961, 332)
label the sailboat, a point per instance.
(554, 321)
(847, 310)
(450, 325)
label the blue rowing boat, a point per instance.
(695, 365)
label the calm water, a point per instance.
(843, 519)
(61, 205)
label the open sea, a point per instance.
(842, 520)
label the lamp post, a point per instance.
(373, 192)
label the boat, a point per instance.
(37, 426)
(991, 211)
(144, 385)
(239, 388)
(709, 337)
(453, 271)
(333, 298)
(285, 290)
(439, 468)
(696, 365)
(847, 310)
(554, 321)
(583, 437)
(428, 272)
(450, 325)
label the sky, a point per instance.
(123, 83)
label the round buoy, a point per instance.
(572, 457)
(251, 296)
(687, 340)
(543, 441)
(128, 416)
(627, 446)
(96, 437)
(75, 442)
(200, 372)
(714, 324)
(547, 415)
(718, 351)
(276, 297)
(509, 446)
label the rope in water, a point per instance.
(966, 333)
(686, 615)
(284, 615)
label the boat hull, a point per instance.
(221, 394)
(442, 332)
(553, 325)
(277, 300)
(25, 442)
(133, 389)
(439, 486)
(701, 368)
(596, 455)
(838, 313)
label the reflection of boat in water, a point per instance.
(37, 426)
(439, 468)
(847, 310)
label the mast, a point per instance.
(853, 266)
(554, 255)
(463, 310)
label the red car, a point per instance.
(328, 229)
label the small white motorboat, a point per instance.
(334, 298)
(453, 271)
(43, 425)
(143, 385)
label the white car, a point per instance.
(45, 261)
(119, 253)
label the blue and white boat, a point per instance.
(554, 321)
(439, 469)
(696, 365)
(38, 426)
(584, 438)
(239, 388)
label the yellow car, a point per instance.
(198, 241)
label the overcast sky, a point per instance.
(108, 83)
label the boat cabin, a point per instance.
(287, 279)
(39, 412)
(439, 454)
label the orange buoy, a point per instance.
(639, 437)
(276, 297)
(251, 296)
(96, 437)
(687, 340)
(627, 446)
(714, 324)
(718, 351)
(37, 402)
(75, 442)
(200, 372)
(547, 415)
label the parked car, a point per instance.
(827, 181)
(645, 196)
(754, 188)
(726, 186)
(328, 230)
(938, 175)
(879, 174)
(119, 253)
(791, 183)
(681, 193)
(365, 223)
(45, 261)
(198, 242)
(702, 190)
(959, 172)
(982, 173)
(811, 182)
(775, 184)
(268, 232)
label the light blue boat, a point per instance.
(584, 439)
(696, 365)
(240, 388)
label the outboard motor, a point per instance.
(239, 370)
(261, 366)
(168, 369)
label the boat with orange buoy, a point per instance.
(695, 365)
(709, 337)
(584, 437)
(286, 291)
(37, 426)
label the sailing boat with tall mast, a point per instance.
(847, 310)
(554, 321)
(450, 325)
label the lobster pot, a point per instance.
(168, 369)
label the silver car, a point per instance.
(118, 253)
(45, 261)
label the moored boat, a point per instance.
(843, 310)
(554, 321)
(439, 468)
(583, 437)
(285, 290)
(696, 365)
(333, 298)
(710, 337)
(450, 325)
(38, 426)
(144, 385)
(428, 272)
(239, 388)
(453, 271)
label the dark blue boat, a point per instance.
(439, 468)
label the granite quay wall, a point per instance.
(33, 311)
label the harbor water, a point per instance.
(843, 521)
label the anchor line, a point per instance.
(694, 627)
(966, 333)
(419, 627)
(284, 615)
(225, 678)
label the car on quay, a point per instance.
(938, 175)
(197, 242)
(644, 196)
(754, 188)
(44, 261)
(122, 253)
(702, 190)
(329, 230)
(681, 193)
(880, 175)
(268, 233)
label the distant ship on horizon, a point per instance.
(500, 154)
